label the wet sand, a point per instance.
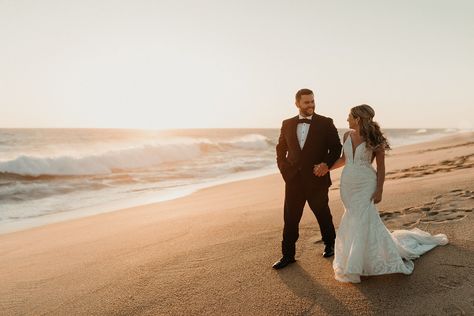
(211, 252)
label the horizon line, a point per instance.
(203, 128)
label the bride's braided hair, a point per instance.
(369, 129)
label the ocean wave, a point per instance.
(144, 156)
(251, 141)
(450, 130)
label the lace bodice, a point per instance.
(361, 156)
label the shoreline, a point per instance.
(211, 252)
(115, 206)
(170, 195)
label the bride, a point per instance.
(364, 246)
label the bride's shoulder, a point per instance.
(346, 134)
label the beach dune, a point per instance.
(211, 252)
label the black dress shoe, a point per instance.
(328, 251)
(283, 262)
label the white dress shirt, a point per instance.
(302, 130)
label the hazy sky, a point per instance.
(216, 63)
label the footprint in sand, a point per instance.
(448, 147)
(452, 206)
(449, 282)
(457, 163)
(453, 310)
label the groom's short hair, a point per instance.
(302, 92)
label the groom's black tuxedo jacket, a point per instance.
(322, 145)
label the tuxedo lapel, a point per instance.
(311, 130)
(293, 133)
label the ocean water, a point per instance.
(48, 175)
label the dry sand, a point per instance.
(211, 252)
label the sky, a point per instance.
(216, 63)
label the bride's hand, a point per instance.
(377, 196)
(320, 170)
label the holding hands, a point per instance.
(320, 169)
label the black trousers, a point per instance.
(297, 193)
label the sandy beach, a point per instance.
(211, 252)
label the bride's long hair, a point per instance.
(369, 129)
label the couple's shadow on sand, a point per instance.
(376, 293)
(303, 285)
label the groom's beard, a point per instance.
(307, 112)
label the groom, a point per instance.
(306, 141)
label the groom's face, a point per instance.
(306, 105)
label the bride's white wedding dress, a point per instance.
(364, 246)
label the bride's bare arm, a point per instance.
(342, 160)
(380, 161)
(339, 163)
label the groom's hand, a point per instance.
(320, 170)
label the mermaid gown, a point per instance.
(364, 246)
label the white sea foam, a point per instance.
(251, 141)
(80, 169)
(147, 155)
